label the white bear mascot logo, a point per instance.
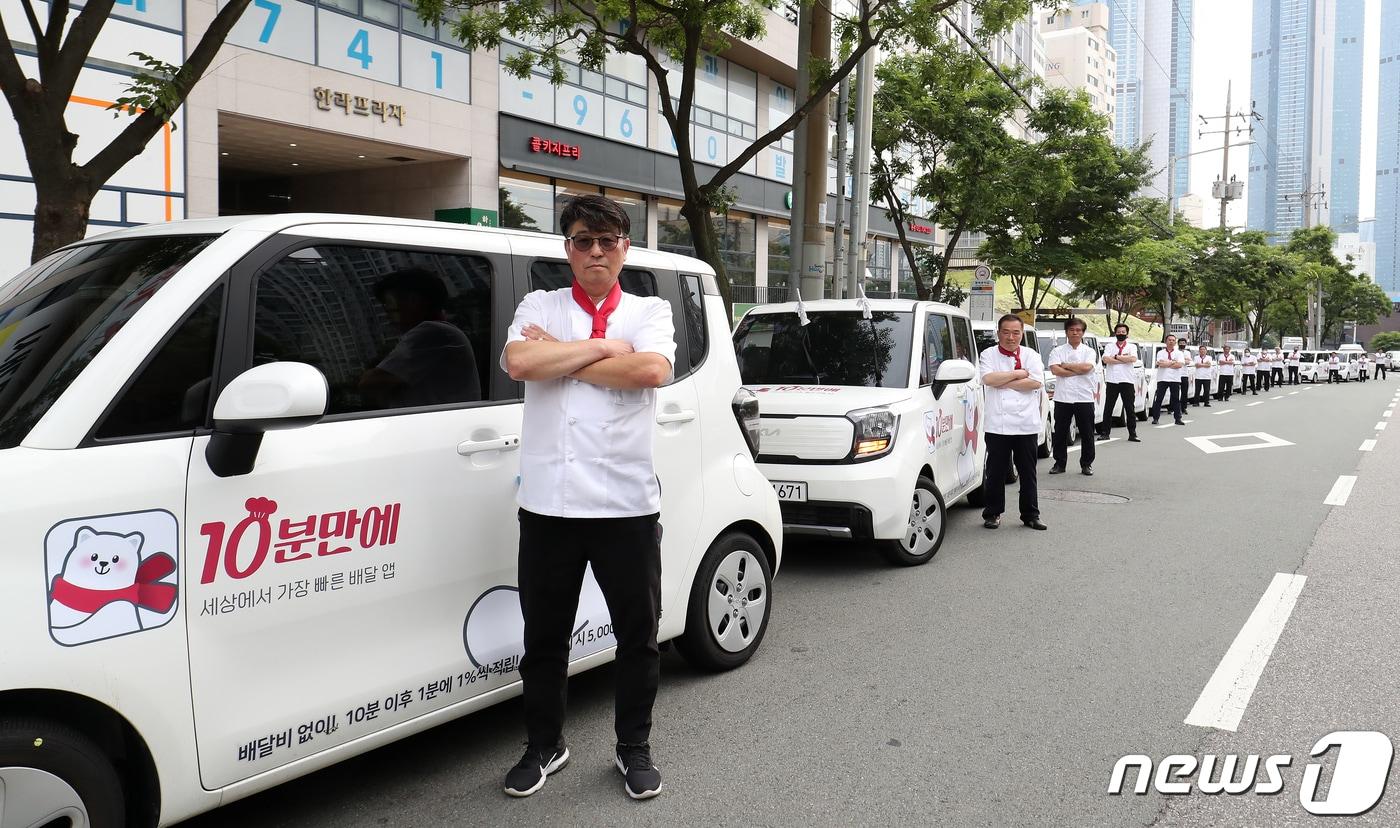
(106, 585)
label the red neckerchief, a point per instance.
(1016, 355)
(147, 592)
(1121, 346)
(600, 313)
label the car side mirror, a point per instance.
(271, 397)
(952, 372)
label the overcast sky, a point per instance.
(1222, 44)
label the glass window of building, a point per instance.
(877, 281)
(635, 206)
(672, 230)
(383, 11)
(527, 203)
(565, 190)
(738, 234)
(779, 260)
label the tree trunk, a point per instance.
(702, 235)
(60, 214)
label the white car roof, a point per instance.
(819, 305)
(523, 242)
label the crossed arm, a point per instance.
(610, 363)
(1018, 379)
(1071, 369)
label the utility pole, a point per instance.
(1226, 189)
(860, 198)
(839, 227)
(810, 156)
(1309, 198)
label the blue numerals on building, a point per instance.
(625, 126)
(359, 48)
(580, 108)
(437, 68)
(274, 10)
(139, 5)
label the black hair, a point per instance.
(598, 213)
(1124, 326)
(1074, 320)
(417, 281)
(1010, 317)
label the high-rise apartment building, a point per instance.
(1387, 223)
(1154, 41)
(1078, 55)
(1306, 67)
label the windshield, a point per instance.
(52, 328)
(836, 348)
(1307, 356)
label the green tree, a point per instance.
(1347, 296)
(940, 118)
(1067, 199)
(682, 30)
(62, 44)
(1253, 281)
(1385, 341)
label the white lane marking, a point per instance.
(1101, 443)
(1226, 411)
(1341, 490)
(1279, 397)
(1291, 393)
(1387, 412)
(1381, 426)
(1368, 445)
(1225, 697)
(1251, 405)
(1169, 425)
(1261, 440)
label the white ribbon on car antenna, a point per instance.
(802, 319)
(862, 302)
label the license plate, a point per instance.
(790, 491)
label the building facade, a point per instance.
(1386, 230)
(1304, 168)
(1154, 41)
(1078, 55)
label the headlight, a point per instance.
(745, 405)
(874, 432)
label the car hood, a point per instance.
(822, 400)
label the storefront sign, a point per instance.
(923, 229)
(538, 144)
(326, 99)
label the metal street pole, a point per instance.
(860, 199)
(1225, 164)
(799, 151)
(839, 221)
(813, 233)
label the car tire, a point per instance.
(730, 603)
(923, 535)
(58, 772)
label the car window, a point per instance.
(938, 346)
(1028, 338)
(693, 305)
(171, 393)
(835, 348)
(51, 329)
(390, 329)
(550, 274)
(984, 339)
(962, 340)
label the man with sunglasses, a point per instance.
(591, 358)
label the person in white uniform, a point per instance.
(1119, 357)
(1295, 364)
(1170, 361)
(1250, 360)
(591, 357)
(1276, 367)
(1226, 384)
(1073, 364)
(1334, 368)
(1011, 378)
(1204, 366)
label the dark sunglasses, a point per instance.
(583, 243)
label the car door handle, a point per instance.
(507, 443)
(675, 417)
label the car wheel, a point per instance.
(923, 535)
(730, 602)
(53, 774)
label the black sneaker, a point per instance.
(529, 773)
(643, 778)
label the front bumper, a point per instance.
(847, 500)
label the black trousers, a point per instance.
(1126, 392)
(1002, 449)
(626, 558)
(1277, 376)
(1264, 379)
(1185, 392)
(1293, 375)
(1333, 373)
(1380, 371)
(1083, 415)
(1227, 386)
(1174, 406)
(1202, 392)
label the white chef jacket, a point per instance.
(1295, 359)
(1333, 363)
(1251, 362)
(1118, 372)
(1079, 388)
(586, 450)
(1203, 366)
(1169, 374)
(1010, 411)
(1228, 362)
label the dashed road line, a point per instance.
(1226, 411)
(1291, 393)
(1226, 695)
(1381, 426)
(1100, 443)
(1279, 397)
(1368, 445)
(1341, 490)
(1251, 405)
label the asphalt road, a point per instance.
(999, 684)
